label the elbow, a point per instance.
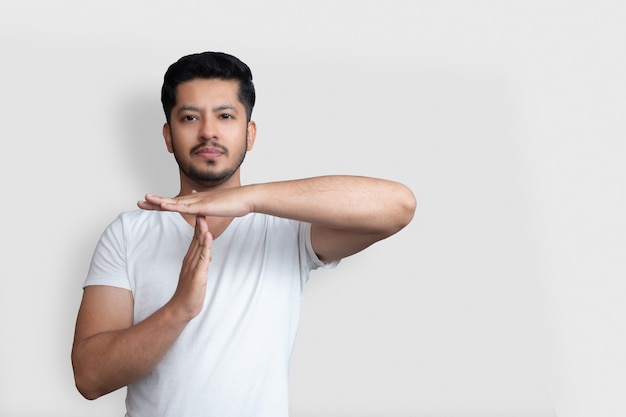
(87, 392)
(396, 213)
(86, 386)
(86, 381)
(405, 206)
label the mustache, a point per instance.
(209, 144)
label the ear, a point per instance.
(167, 135)
(251, 134)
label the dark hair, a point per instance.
(208, 65)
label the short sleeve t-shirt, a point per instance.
(233, 358)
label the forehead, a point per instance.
(201, 90)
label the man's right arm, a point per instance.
(109, 351)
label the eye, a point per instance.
(226, 116)
(189, 118)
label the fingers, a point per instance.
(153, 202)
(204, 238)
(199, 252)
(196, 261)
(191, 290)
(180, 204)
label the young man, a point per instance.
(192, 302)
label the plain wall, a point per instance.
(504, 297)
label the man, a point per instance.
(193, 302)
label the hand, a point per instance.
(229, 202)
(192, 282)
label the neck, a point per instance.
(216, 225)
(187, 185)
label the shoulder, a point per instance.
(143, 217)
(142, 222)
(138, 215)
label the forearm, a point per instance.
(110, 360)
(351, 203)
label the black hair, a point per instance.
(208, 65)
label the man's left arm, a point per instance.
(347, 213)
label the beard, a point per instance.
(209, 176)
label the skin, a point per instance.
(209, 135)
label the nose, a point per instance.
(208, 130)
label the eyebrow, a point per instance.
(226, 106)
(221, 107)
(189, 107)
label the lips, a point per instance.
(209, 150)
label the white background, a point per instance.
(505, 295)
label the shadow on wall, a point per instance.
(141, 146)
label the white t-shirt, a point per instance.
(233, 358)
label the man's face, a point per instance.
(208, 132)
